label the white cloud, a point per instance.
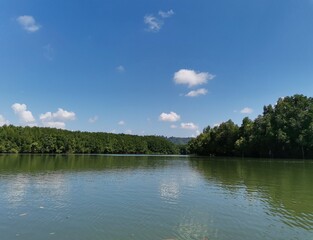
(64, 115)
(166, 14)
(120, 68)
(128, 131)
(195, 93)
(246, 110)
(154, 24)
(28, 23)
(24, 115)
(169, 117)
(121, 122)
(57, 119)
(60, 115)
(3, 121)
(46, 116)
(60, 125)
(189, 126)
(197, 133)
(93, 119)
(192, 78)
(216, 124)
(173, 126)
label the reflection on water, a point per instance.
(154, 197)
(169, 191)
(285, 185)
(44, 163)
(16, 189)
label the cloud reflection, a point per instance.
(48, 186)
(17, 189)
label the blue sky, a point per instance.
(167, 67)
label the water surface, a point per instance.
(154, 197)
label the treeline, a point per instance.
(15, 139)
(284, 130)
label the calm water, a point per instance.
(153, 197)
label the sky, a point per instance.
(157, 67)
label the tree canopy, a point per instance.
(284, 130)
(15, 139)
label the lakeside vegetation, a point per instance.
(15, 139)
(284, 130)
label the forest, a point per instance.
(14, 139)
(284, 130)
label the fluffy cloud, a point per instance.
(154, 24)
(195, 93)
(46, 116)
(60, 115)
(189, 126)
(57, 119)
(60, 125)
(28, 23)
(216, 124)
(3, 121)
(166, 14)
(121, 122)
(169, 117)
(24, 115)
(64, 115)
(93, 119)
(192, 78)
(246, 110)
(128, 131)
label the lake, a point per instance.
(79, 197)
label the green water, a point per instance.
(154, 197)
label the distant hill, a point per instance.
(179, 140)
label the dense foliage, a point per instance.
(179, 140)
(49, 140)
(284, 130)
(181, 143)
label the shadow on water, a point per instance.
(43, 163)
(285, 185)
